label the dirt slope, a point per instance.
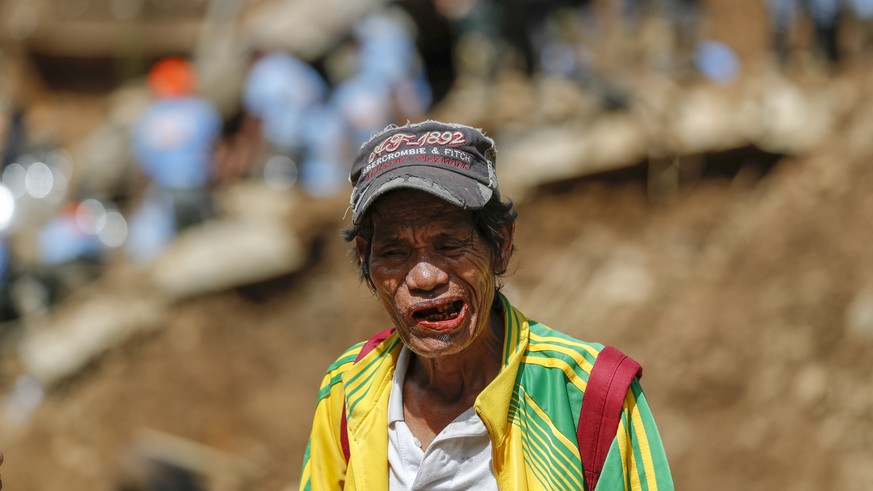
(747, 299)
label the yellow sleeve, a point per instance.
(324, 464)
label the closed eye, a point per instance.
(389, 252)
(454, 245)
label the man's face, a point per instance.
(432, 272)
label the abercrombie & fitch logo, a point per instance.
(397, 140)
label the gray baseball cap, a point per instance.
(451, 161)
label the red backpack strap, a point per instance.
(368, 347)
(602, 405)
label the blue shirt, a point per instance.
(173, 141)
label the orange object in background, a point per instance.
(171, 77)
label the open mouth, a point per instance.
(440, 313)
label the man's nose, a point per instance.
(426, 276)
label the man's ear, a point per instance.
(506, 247)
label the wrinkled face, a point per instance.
(432, 272)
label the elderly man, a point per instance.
(464, 391)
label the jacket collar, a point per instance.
(368, 382)
(493, 402)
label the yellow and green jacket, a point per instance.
(531, 410)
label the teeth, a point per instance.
(443, 312)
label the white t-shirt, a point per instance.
(459, 458)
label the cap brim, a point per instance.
(457, 189)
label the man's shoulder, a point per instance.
(540, 333)
(335, 372)
(345, 360)
(381, 342)
(545, 338)
(555, 355)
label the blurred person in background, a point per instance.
(463, 391)
(385, 80)
(174, 141)
(280, 93)
(70, 255)
(279, 90)
(312, 124)
(285, 102)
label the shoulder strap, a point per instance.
(368, 347)
(602, 404)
